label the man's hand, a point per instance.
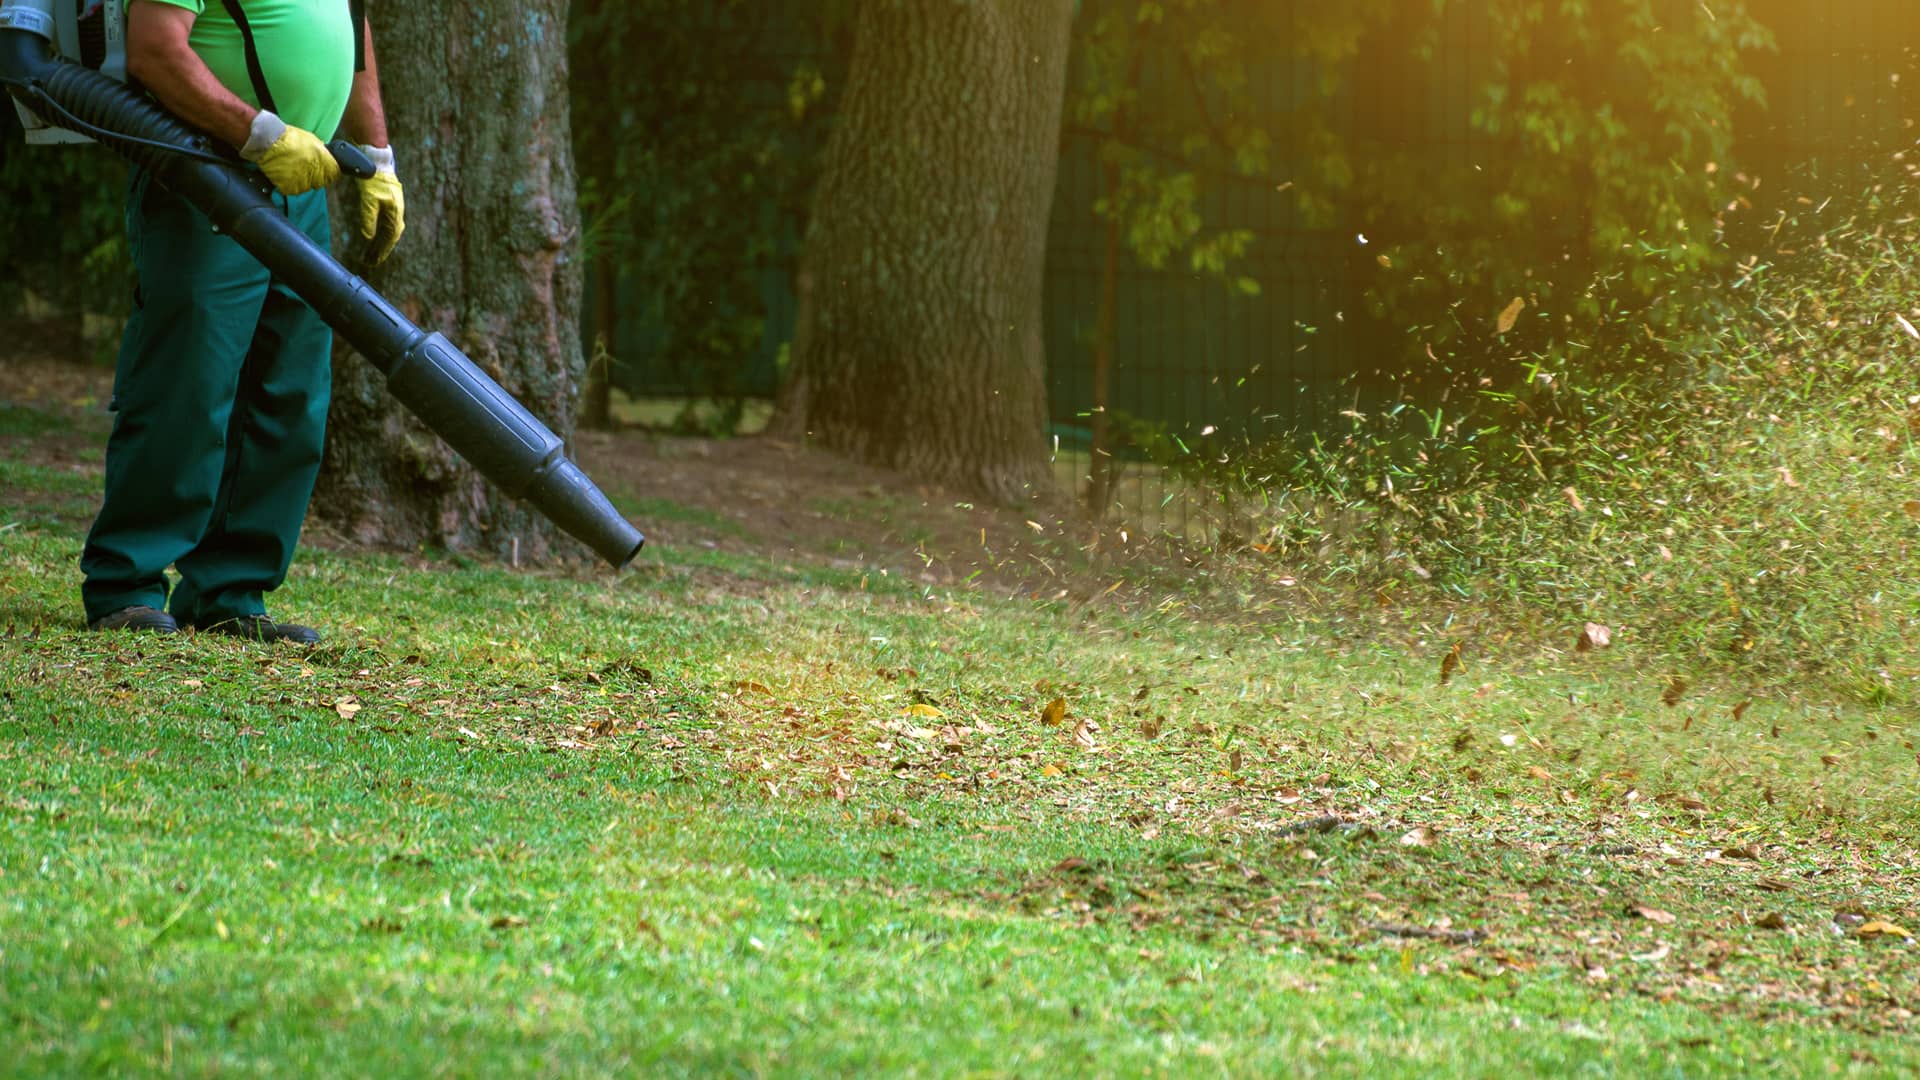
(383, 206)
(293, 158)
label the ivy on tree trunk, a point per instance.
(919, 344)
(476, 101)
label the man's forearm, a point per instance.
(365, 121)
(159, 57)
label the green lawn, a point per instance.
(722, 816)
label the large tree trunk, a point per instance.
(919, 342)
(476, 98)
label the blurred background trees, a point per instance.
(1275, 228)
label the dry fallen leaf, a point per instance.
(927, 711)
(1055, 713)
(1676, 688)
(1653, 914)
(1052, 770)
(1450, 663)
(346, 707)
(1745, 851)
(1772, 920)
(1593, 637)
(1912, 507)
(1882, 928)
(1740, 710)
(1573, 499)
(1083, 734)
(1419, 837)
(1510, 316)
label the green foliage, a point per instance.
(61, 215)
(694, 129)
(1164, 88)
(1590, 185)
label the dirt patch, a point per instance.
(757, 496)
(785, 502)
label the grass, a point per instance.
(718, 816)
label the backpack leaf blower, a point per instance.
(58, 94)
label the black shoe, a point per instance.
(262, 628)
(139, 617)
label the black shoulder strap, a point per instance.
(259, 77)
(358, 8)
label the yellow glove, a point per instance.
(293, 158)
(383, 206)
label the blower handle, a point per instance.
(353, 161)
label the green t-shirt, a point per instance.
(306, 54)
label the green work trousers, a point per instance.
(220, 411)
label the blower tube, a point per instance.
(432, 378)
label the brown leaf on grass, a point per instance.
(1152, 726)
(1594, 636)
(748, 686)
(508, 922)
(346, 707)
(1573, 499)
(1450, 663)
(1055, 712)
(1750, 852)
(1419, 837)
(1083, 735)
(1882, 928)
(1652, 914)
(1912, 507)
(1772, 920)
(924, 710)
(1676, 689)
(1509, 316)
(1740, 710)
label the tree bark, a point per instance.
(919, 343)
(476, 102)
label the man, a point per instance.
(223, 378)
